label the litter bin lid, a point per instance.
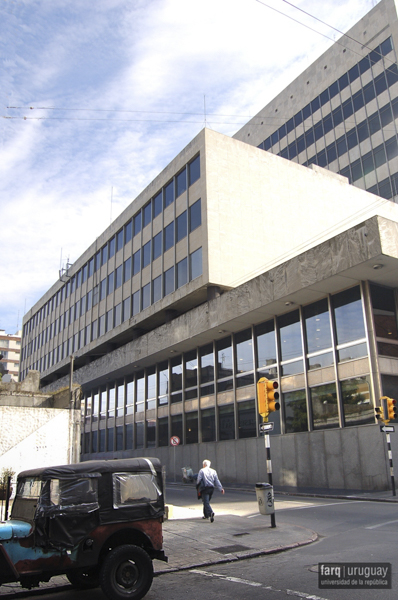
(261, 486)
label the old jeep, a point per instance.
(97, 522)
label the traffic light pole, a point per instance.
(390, 461)
(269, 470)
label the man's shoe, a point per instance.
(212, 517)
(205, 517)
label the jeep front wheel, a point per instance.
(127, 573)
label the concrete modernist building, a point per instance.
(234, 264)
(284, 289)
(341, 112)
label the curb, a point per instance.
(255, 554)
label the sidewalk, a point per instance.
(192, 542)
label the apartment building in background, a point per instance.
(10, 348)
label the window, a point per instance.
(127, 270)
(133, 488)
(146, 296)
(317, 326)
(111, 245)
(266, 344)
(226, 421)
(136, 303)
(181, 183)
(127, 232)
(119, 240)
(169, 281)
(157, 204)
(176, 426)
(194, 170)
(157, 289)
(157, 246)
(195, 215)
(168, 236)
(110, 283)
(181, 226)
(191, 369)
(126, 309)
(140, 393)
(182, 272)
(324, 406)
(224, 358)
(357, 404)
(137, 222)
(384, 312)
(163, 383)
(163, 431)
(118, 277)
(109, 320)
(169, 194)
(136, 262)
(191, 428)
(147, 214)
(208, 421)
(118, 314)
(90, 267)
(206, 364)
(151, 433)
(247, 419)
(295, 411)
(290, 335)
(244, 351)
(146, 255)
(130, 396)
(151, 389)
(120, 400)
(348, 315)
(195, 264)
(176, 379)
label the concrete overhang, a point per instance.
(366, 252)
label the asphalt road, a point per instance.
(349, 531)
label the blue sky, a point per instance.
(118, 88)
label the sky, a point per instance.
(98, 97)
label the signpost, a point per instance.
(174, 441)
(265, 427)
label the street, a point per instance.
(348, 530)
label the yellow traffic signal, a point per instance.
(391, 409)
(379, 413)
(267, 397)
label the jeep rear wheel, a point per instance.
(127, 573)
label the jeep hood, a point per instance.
(14, 529)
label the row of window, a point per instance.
(347, 109)
(175, 277)
(354, 136)
(152, 209)
(237, 361)
(239, 420)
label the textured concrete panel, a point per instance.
(333, 450)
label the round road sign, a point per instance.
(174, 440)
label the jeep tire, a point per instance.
(127, 573)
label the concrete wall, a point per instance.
(353, 458)
(37, 429)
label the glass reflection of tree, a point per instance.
(297, 420)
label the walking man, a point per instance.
(206, 482)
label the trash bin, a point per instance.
(265, 498)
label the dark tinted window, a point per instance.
(194, 170)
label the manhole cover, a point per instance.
(314, 568)
(231, 549)
(240, 534)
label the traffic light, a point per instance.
(267, 397)
(379, 413)
(391, 409)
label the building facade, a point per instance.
(10, 349)
(235, 264)
(341, 112)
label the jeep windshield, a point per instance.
(27, 496)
